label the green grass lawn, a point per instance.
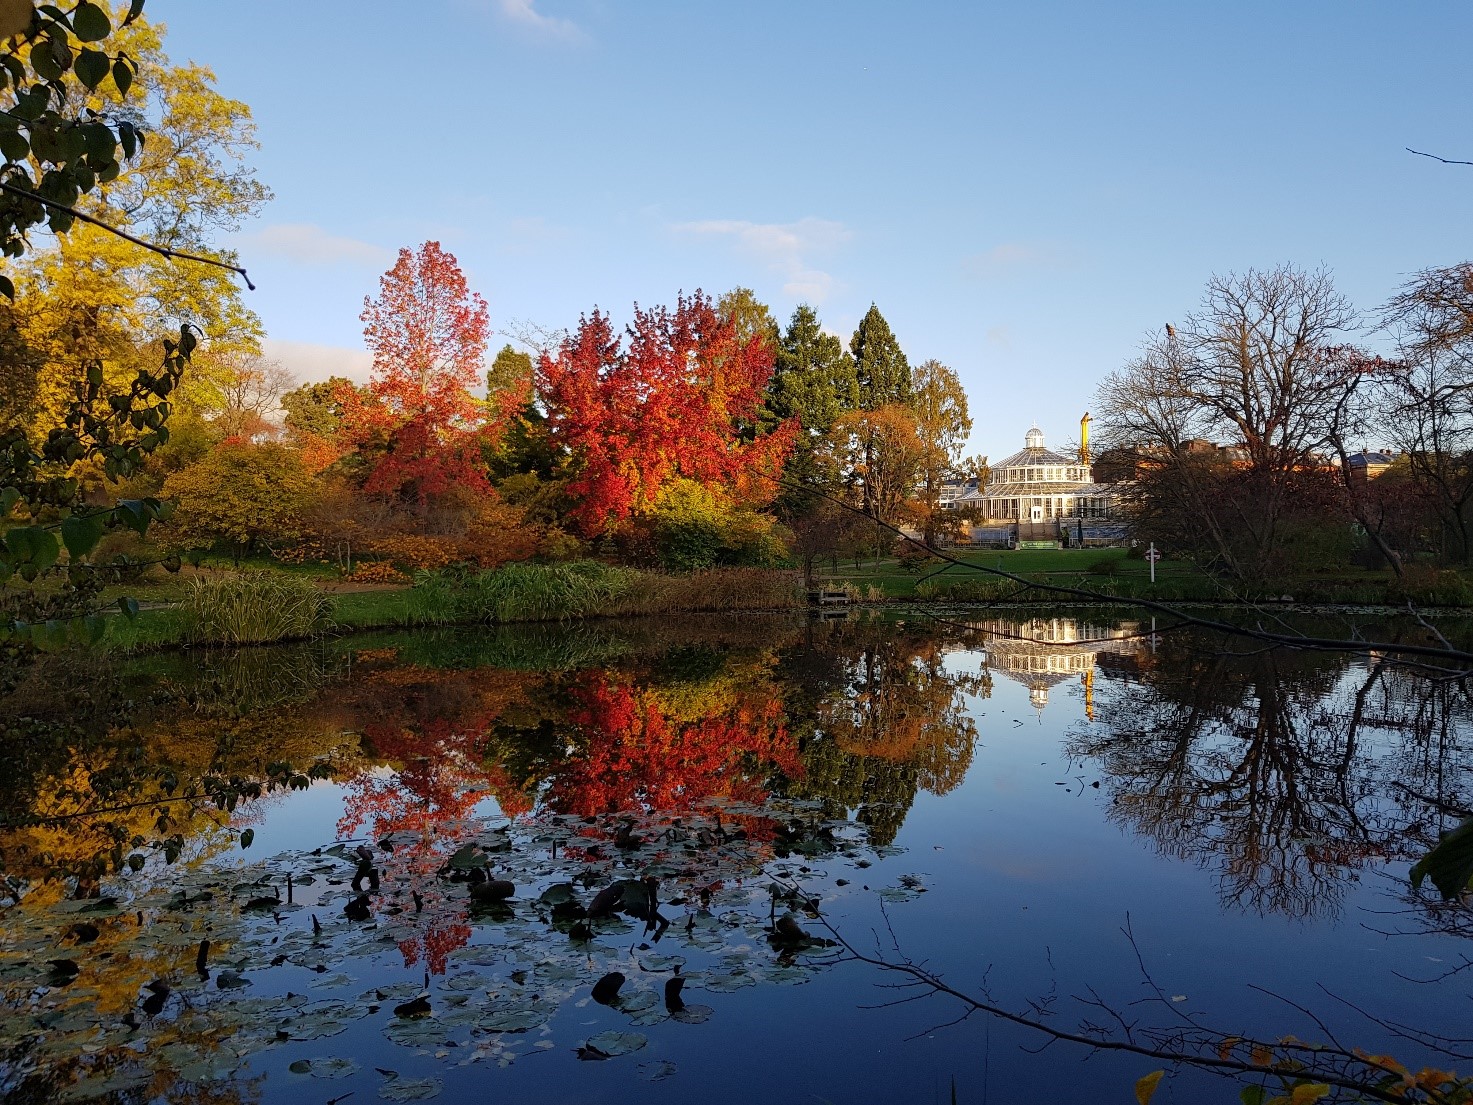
(897, 580)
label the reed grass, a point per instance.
(581, 589)
(253, 608)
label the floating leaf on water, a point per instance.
(468, 981)
(725, 982)
(231, 980)
(416, 1031)
(326, 1067)
(638, 1002)
(467, 857)
(410, 1089)
(617, 1043)
(692, 1014)
(515, 1017)
(656, 1070)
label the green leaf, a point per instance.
(135, 515)
(10, 496)
(122, 77)
(1450, 864)
(247, 837)
(1251, 1095)
(33, 546)
(129, 608)
(92, 67)
(90, 22)
(80, 533)
(14, 145)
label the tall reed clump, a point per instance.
(524, 592)
(518, 592)
(253, 608)
(715, 590)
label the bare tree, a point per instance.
(1248, 368)
(1431, 410)
(250, 394)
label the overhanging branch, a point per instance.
(163, 251)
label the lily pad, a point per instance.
(326, 1067)
(410, 1089)
(656, 1070)
(618, 1043)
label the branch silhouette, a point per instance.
(163, 251)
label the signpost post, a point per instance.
(1152, 556)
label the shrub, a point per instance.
(377, 571)
(1107, 567)
(253, 608)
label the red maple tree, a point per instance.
(417, 422)
(679, 401)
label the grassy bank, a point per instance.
(262, 607)
(1113, 573)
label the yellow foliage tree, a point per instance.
(87, 299)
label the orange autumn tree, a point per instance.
(417, 426)
(680, 400)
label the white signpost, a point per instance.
(1152, 555)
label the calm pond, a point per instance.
(1081, 821)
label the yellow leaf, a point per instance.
(1225, 1049)
(1262, 1056)
(1308, 1092)
(1145, 1088)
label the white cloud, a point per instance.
(309, 244)
(524, 13)
(784, 247)
(310, 362)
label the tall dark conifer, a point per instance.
(880, 366)
(813, 381)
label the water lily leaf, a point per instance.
(326, 1067)
(416, 1032)
(726, 982)
(692, 1014)
(517, 1018)
(468, 857)
(656, 1070)
(618, 1043)
(410, 1089)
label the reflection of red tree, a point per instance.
(432, 727)
(632, 753)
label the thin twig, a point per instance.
(163, 251)
(1434, 157)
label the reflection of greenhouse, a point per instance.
(1041, 653)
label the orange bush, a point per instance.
(414, 552)
(377, 571)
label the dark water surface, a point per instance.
(1085, 822)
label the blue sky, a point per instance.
(1025, 190)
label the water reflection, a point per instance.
(696, 755)
(1043, 652)
(1286, 772)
